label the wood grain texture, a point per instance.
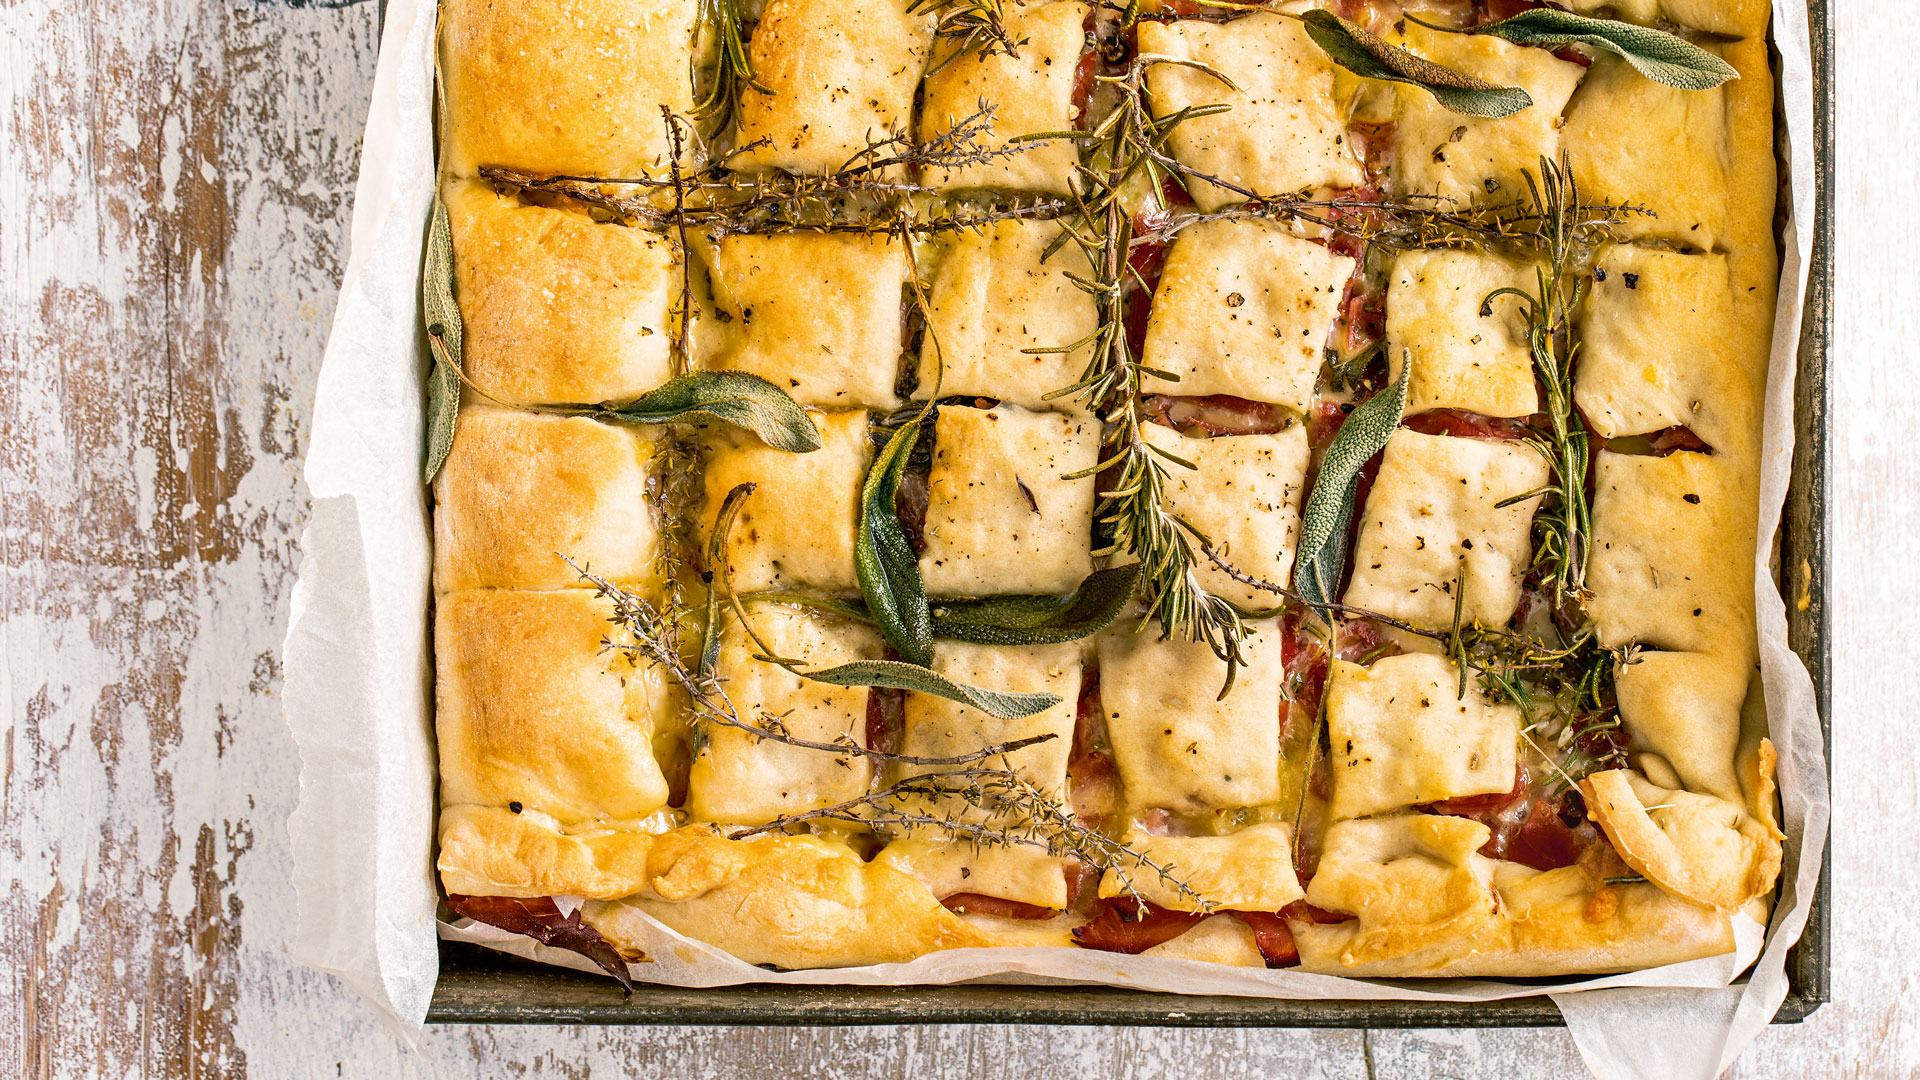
(175, 181)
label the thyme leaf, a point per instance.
(445, 337)
(729, 397)
(1329, 510)
(883, 559)
(1355, 48)
(1658, 55)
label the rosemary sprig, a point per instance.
(732, 73)
(1563, 526)
(1126, 152)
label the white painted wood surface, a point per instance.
(175, 182)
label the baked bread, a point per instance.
(1334, 553)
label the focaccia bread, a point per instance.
(947, 475)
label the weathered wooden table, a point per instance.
(175, 183)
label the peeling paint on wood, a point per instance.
(175, 184)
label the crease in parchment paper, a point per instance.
(359, 679)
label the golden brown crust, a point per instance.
(1244, 494)
(563, 86)
(785, 901)
(842, 75)
(995, 293)
(1002, 515)
(531, 710)
(1248, 870)
(1032, 93)
(817, 315)
(519, 490)
(796, 529)
(492, 851)
(1428, 905)
(1733, 18)
(1440, 152)
(558, 308)
(1700, 847)
(1435, 519)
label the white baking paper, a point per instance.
(358, 680)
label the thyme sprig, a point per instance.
(969, 26)
(1015, 812)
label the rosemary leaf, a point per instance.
(898, 675)
(1040, 620)
(1323, 525)
(730, 397)
(1658, 55)
(1359, 51)
(884, 562)
(445, 335)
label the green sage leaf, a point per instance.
(897, 675)
(1039, 620)
(1359, 51)
(1658, 55)
(1323, 524)
(445, 337)
(728, 397)
(883, 560)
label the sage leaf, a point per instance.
(883, 560)
(728, 397)
(1323, 524)
(1359, 51)
(1039, 620)
(897, 675)
(1658, 55)
(445, 335)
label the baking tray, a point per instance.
(479, 986)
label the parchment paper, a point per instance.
(359, 678)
